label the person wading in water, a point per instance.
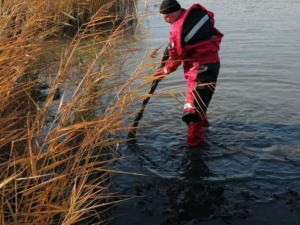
(194, 42)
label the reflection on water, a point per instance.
(252, 151)
(189, 195)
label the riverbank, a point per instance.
(60, 113)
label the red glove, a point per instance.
(160, 74)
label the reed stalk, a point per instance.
(54, 153)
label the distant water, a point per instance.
(253, 143)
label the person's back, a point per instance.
(204, 33)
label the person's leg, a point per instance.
(206, 79)
(195, 132)
(190, 114)
(201, 84)
(195, 135)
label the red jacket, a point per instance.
(202, 52)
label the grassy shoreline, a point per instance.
(54, 152)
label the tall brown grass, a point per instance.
(54, 153)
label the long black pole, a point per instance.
(132, 132)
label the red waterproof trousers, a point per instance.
(201, 83)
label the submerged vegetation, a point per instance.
(63, 106)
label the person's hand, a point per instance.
(160, 74)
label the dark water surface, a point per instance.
(248, 172)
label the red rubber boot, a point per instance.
(195, 135)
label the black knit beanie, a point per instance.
(169, 6)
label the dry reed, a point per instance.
(54, 153)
